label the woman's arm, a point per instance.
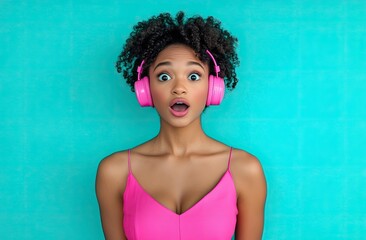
(110, 184)
(251, 190)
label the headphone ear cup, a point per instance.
(142, 90)
(216, 90)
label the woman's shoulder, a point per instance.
(244, 160)
(113, 169)
(114, 160)
(246, 168)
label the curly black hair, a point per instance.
(150, 37)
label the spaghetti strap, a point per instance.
(129, 161)
(228, 164)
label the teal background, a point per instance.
(299, 107)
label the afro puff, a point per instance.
(150, 37)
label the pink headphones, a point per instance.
(216, 87)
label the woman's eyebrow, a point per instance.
(195, 63)
(163, 64)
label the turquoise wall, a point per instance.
(299, 107)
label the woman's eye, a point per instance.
(164, 77)
(194, 77)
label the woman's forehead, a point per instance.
(177, 53)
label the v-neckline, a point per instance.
(227, 172)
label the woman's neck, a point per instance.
(180, 141)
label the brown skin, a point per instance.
(181, 164)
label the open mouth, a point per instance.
(179, 107)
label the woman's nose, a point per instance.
(179, 87)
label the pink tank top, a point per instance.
(213, 217)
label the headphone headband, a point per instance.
(217, 68)
(139, 70)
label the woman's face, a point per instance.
(179, 85)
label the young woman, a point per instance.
(181, 184)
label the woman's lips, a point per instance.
(178, 100)
(178, 113)
(179, 107)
